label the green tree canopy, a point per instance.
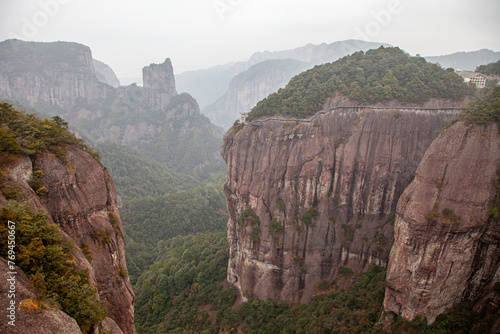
(376, 76)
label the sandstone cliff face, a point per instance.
(81, 199)
(47, 322)
(323, 192)
(446, 247)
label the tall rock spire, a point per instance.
(159, 84)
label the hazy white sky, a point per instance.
(130, 34)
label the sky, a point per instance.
(196, 34)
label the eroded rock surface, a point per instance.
(446, 247)
(323, 191)
(23, 320)
(81, 198)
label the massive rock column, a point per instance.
(159, 85)
(447, 247)
(308, 197)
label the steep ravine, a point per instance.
(324, 193)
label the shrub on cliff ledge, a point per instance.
(308, 217)
(43, 254)
(376, 76)
(248, 217)
(485, 110)
(27, 134)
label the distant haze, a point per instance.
(128, 35)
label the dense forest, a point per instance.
(489, 69)
(27, 134)
(184, 292)
(160, 203)
(148, 220)
(137, 175)
(379, 75)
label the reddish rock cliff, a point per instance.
(81, 198)
(322, 194)
(446, 247)
(25, 320)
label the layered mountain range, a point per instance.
(349, 185)
(241, 85)
(61, 80)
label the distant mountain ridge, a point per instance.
(225, 91)
(466, 61)
(223, 95)
(251, 86)
(105, 73)
(317, 54)
(209, 84)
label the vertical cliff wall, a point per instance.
(447, 246)
(80, 197)
(306, 198)
(60, 74)
(159, 85)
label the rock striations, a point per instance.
(446, 246)
(81, 198)
(159, 85)
(57, 73)
(307, 197)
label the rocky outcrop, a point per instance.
(159, 85)
(251, 86)
(307, 197)
(447, 246)
(25, 319)
(60, 74)
(80, 197)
